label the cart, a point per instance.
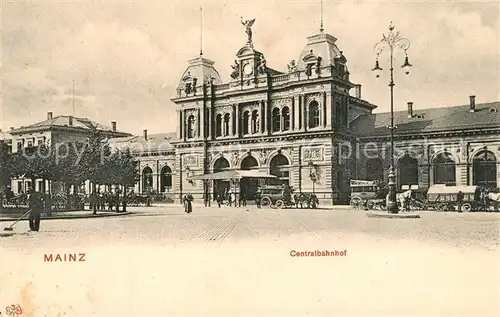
(273, 196)
(444, 198)
(368, 195)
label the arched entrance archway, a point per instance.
(408, 171)
(165, 179)
(280, 167)
(147, 180)
(220, 186)
(485, 169)
(249, 185)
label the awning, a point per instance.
(232, 175)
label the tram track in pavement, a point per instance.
(214, 235)
(306, 228)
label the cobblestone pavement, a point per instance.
(169, 224)
(237, 262)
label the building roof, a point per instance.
(155, 143)
(63, 121)
(202, 69)
(5, 136)
(486, 115)
(322, 45)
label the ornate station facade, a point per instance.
(310, 120)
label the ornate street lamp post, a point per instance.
(390, 42)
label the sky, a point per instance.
(126, 58)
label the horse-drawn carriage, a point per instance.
(284, 197)
(444, 198)
(368, 195)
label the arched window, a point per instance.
(218, 125)
(444, 170)
(227, 118)
(147, 179)
(191, 123)
(313, 114)
(485, 169)
(286, 118)
(255, 121)
(408, 171)
(374, 169)
(280, 167)
(245, 124)
(165, 179)
(276, 120)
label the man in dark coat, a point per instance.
(258, 195)
(36, 204)
(460, 200)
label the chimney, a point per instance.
(410, 110)
(145, 135)
(472, 103)
(113, 126)
(357, 91)
(70, 119)
(49, 115)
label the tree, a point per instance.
(34, 162)
(120, 168)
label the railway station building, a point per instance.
(309, 120)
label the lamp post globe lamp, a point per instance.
(391, 42)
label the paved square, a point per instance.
(233, 262)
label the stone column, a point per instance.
(184, 124)
(306, 114)
(199, 123)
(237, 119)
(323, 114)
(180, 124)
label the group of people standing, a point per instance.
(98, 201)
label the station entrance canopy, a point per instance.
(233, 175)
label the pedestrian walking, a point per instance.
(93, 203)
(242, 201)
(207, 199)
(258, 195)
(460, 200)
(188, 205)
(230, 198)
(220, 199)
(116, 200)
(36, 204)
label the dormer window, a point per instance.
(312, 61)
(187, 88)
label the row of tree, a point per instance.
(71, 163)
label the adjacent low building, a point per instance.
(51, 131)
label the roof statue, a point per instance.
(248, 29)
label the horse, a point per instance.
(494, 199)
(310, 200)
(404, 199)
